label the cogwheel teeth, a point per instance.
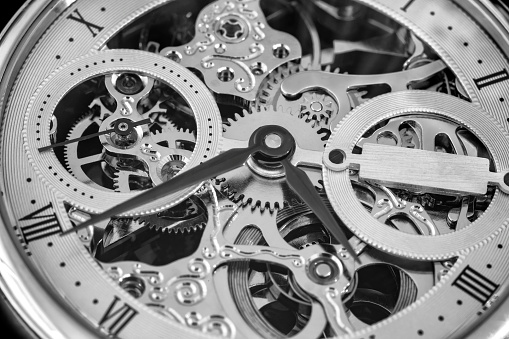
(256, 184)
(269, 89)
(185, 226)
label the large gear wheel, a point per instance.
(256, 183)
(88, 123)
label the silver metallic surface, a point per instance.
(399, 110)
(235, 48)
(349, 131)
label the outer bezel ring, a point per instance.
(354, 215)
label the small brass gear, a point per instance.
(317, 108)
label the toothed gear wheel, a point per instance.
(256, 183)
(269, 91)
(187, 217)
(186, 226)
(124, 178)
(317, 108)
(75, 163)
(129, 181)
(173, 136)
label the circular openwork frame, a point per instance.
(38, 117)
(354, 215)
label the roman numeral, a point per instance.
(475, 285)
(117, 317)
(408, 4)
(43, 223)
(93, 28)
(492, 79)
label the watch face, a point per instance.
(256, 168)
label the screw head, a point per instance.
(273, 140)
(123, 126)
(337, 156)
(316, 106)
(323, 270)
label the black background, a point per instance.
(8, 10)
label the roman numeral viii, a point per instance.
(117, 316)
(40, 224)
(93, 28)
(475, 285)
(491, 79)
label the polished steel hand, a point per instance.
(298, 180)
(224, 162)
(122, 127)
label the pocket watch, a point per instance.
(255, 169)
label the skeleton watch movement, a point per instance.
(255, 169)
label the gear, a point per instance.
(75, 160)
(317, 108)
(128, 181)
(171, 136)
(188, 216)
(269, 91)
(112, 173)
(257, 183)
